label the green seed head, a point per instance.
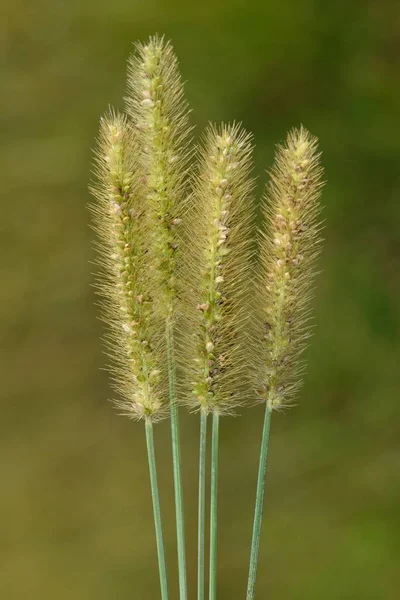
(289, 246)
(159, 113)
(133, 340)
(217, 253)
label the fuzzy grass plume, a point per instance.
(159, 113)
(134, 342)
(289, 246)
(217, 264)
(218, 271)
(175, 252)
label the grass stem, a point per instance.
(176, 458)
(202, 505)
(214, 507)
(258, 511)
(156, 509)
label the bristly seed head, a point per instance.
(289, 246)
(134, 342)
(159, 112)
(177, 247)
(218, 253)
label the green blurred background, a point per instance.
(76, 518)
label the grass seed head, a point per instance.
(289, 246)
(134, 342)
(159, 113)
(217, 272)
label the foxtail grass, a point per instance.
(289, 247)
(217, 266)
(192, 318)
(159, 113)
(135, 342)
(217, 270)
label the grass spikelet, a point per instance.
(289, 247)
(217, 271)
(135, 345)
(159, 113)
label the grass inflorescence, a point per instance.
(218, 265)
(159, 113)
(194, 318)
(134, 341)
(289, 246)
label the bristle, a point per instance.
(159, 113)
(134, 342)
(217, 272)
(289, 245)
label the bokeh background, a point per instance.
(75, 507)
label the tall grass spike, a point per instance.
(289, 246)
(218, 256)
(159, 113)
(134, 341)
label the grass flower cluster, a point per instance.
(135, 341)
(218, 259)
(186, 290)
(289, 248)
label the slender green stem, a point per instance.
(176, 458)
(156, 509)
(214, 507)
(258, 511)
(202, 505)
